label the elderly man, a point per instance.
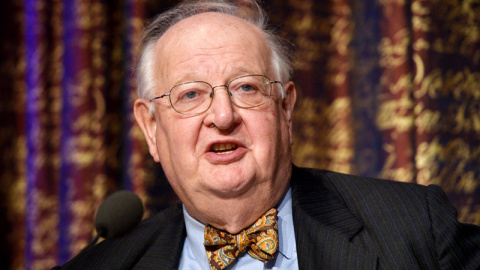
(215, 107)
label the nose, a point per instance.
(222, 113)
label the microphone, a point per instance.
(118, 214)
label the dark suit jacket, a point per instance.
(341, 222)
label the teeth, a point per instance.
(224, 148)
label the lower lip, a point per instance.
(226, 158)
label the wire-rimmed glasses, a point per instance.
(190, 98)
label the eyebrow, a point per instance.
(187, 77)
(243, 70)
(236, 72)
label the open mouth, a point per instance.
(223, 148)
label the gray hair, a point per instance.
(248, 10)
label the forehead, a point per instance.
(211, 42)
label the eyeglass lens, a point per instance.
(196, 97)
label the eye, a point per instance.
(189, 92)
(247, 88)
(190, 95)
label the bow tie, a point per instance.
(260, 241)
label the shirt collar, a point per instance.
(286, 245)
(286, 240)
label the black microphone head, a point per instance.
(118, 214)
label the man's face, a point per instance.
(226, 152)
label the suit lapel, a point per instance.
(166, 250)
(327, 234)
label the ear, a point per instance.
(288, 103)
(148, 125)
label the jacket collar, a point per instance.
(326, 231)
(327, 234)
(169, 237)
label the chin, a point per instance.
(230, 184)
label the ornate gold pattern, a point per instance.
(324, 139)
(386, 90)
(260, 241)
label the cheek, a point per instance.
(177, 151)
(267, 133)
(276, 130)
(180, 138)
(163, 143)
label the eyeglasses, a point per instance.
(190, 98)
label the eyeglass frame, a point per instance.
(212, 94)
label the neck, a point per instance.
(237, 213)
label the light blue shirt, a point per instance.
(195, 257)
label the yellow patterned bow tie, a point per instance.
(260, 241)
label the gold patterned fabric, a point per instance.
(259, 240)
(386, 88)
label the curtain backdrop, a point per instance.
(387, 88)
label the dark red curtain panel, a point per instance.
(386, 89)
